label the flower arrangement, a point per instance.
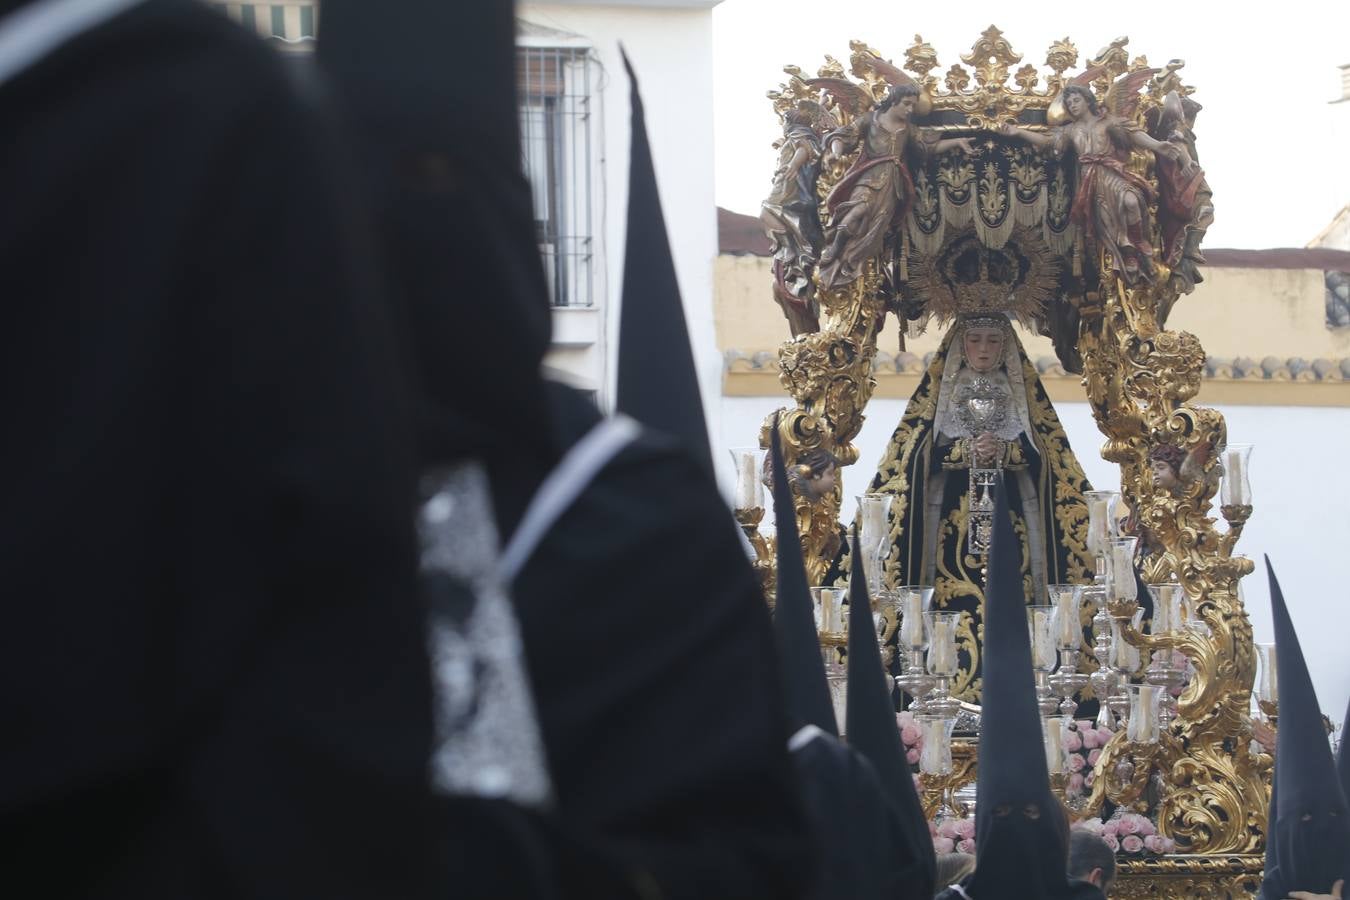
(1084, 743)
(953, 835)
(911, 736)
(1129, 834)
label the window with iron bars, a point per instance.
(556, 115)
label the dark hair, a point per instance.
(1087, 851)
(896, 94)
(1167, 453)
(1085, 93)
(797, 117)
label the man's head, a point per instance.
(1091, 860)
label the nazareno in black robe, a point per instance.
(212, 658)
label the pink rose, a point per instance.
(1133, 843)
(1110, 828)
(943, 845)
(904, 718)
(1073, 742)
(1176, 690)
(912, 755)
(966, 846)
(1075, 783)
(1146, 828)
(948, 828)
(1093, 756)
(910, 734)
(965, 829)
(1110, 840)
(1075, 763)
(1129, 824)
(1083, 724)
(1167, 844)
(1089, 740)
(1153, 844)
(1104, 735)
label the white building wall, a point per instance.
(671, 51)
(1301, 517)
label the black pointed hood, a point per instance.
(1021, 831)
(1311, 835)
(438, 137)
(658, 382)
(872, 731)
(807, 692)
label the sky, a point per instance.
(1274, 147)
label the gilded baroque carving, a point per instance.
(1106, 305)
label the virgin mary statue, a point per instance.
(981, 405)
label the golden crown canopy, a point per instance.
(1014, 199)
(981, 92)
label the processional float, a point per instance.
(1071, 201)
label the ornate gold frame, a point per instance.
(1141, 381)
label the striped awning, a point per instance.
(293, 22)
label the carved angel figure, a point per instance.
(877, 190)
(1185, 202)
(791, 218)
(1111, 204)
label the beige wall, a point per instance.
(1236, 312)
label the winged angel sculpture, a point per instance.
(1111, 203)
(865, 205)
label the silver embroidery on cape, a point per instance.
(487, 740)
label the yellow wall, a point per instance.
(1237, 313)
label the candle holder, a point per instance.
(1044, 654)
(828, 607)
(1169, 617)
(915, 681)
(942, 662)
(936, 756)
(1235, 490)
(1268, 687)
(910, 603)
(1143, 724)
(1102, 524)
(873, 538)
(1126, 660)
(1067, 602)
(1105, 678)
(749, 495)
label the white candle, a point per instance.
(1143, 727)
(1098, 529)
(747, 482)
(1068, 625)
(1054, 745)
(911, 623)
(1233, 476)
(935, 757)
(942, 649)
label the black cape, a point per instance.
(212, 662)
(654, 667)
